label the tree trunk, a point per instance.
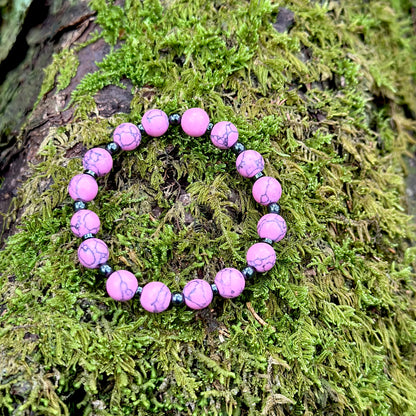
(46, 28)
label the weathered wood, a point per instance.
(21, 129)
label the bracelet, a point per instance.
(156, 297)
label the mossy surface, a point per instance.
(331, 328)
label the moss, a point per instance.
(331, 329)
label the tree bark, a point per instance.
(47, 28)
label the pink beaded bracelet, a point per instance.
(229, 282)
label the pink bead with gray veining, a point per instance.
(98, 160)
(261, 256)
(83, 187)
(266, 190)
(194, 122)
(155, 297)
(230, 282)
(272, 226)
(84, 222)
(155, 122)
(92, 253)
(127, 136)
(249, 163)
(197, 294)
(224, 134)
(121, 285)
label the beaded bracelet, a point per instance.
(229, 282)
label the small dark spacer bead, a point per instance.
(209, 128)
(267, 240)
(273, 208)
(237, 148)
(112, 148)
(78, 205)
(105, 270)
(174, 119)
(141, 128)
(177, 299)
(139, 291)
(248, 272)
(214, 289)
(257, 176)
(87, 236)
(91, 173)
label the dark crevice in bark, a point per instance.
(48, 28)
(37, 13)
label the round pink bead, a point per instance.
(224, 134)
(98, 160)
(121, 285)
(194, 122)
(267, 190)
(127, 136)
(155, 122)
(261, 256)
(84, 222)
(230, 282)
(272, 226)
(92, 253)
(249, 163)
(83, 187)
(155, 297)
(197, 294)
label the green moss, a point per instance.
(64, 68)
(329, 330)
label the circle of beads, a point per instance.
(122, 285)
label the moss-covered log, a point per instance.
(325, 91)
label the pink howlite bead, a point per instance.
(230, 282)
(121, 285)
(92, 253)
(224, 135)
(272, 226)
(155, 297)
(98, 160)
(194, 122)
(83, 187)
(84, 222)
(197, 294)
(267, 190)
(155, 122)
(261, 256)
(249, 163)
(127, 136)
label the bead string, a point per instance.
(229, 282)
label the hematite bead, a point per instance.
(78, 205)
(273, 208)
(112, 148)
(91, 173)
(209, 127)
(214, 289)
(237, 148)
(105, 270)
(257, 176)
(248, 272)
(87, 236)
(139, 291)
(267, 240)
(177, 299)
(174, 119)
(141, 128)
